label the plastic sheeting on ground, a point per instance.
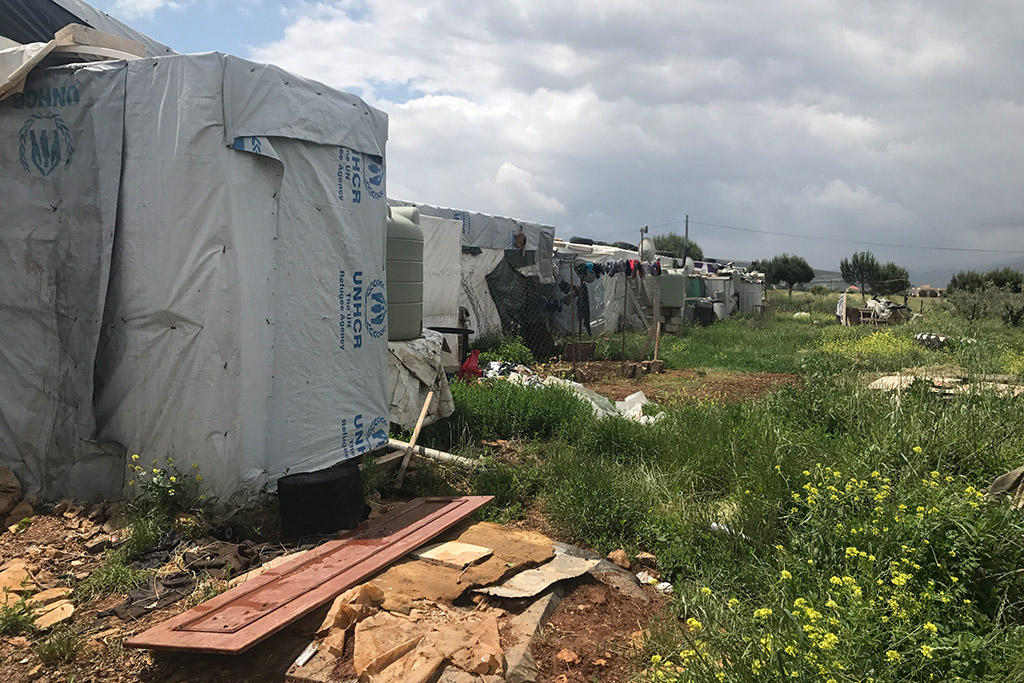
(416, 367)
(245, 321)
(631, 408)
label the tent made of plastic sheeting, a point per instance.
(442, 268)
(31, 21)
(484, 231)
(610, 305)
(204, 236)
(475, 295)
(416, 367)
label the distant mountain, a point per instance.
(939, 277)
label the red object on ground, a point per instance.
(236, 620)
(471, 368)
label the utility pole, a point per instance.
(686, 243)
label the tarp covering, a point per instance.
(484, 231)
(28, 21)
(60, 167)
(442, 253)
(416, 367)
(16, 62)
(244, 326)
(476, 296)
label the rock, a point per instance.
(106, 633)
(351, 607)
(55, 614)
(48, 596)
(99, 513)
(16, 579)
(19, 512)
(619, 558)
(98, 543)
(62, 506)
(334, 643)
(10, 490)
(397, 602)
(647, 559)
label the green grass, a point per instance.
(735, 501)
(62, 647)
(16, 618)
(112, 577)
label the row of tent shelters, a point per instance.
(194, 258)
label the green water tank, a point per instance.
(404, 268)
(673, 289)
(694, 287)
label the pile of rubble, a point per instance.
(467, 606)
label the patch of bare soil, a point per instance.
(591, 635)
(605, 377)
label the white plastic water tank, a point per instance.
(404, 267)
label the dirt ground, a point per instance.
(593, 621)
(590, 635)
(605, 377)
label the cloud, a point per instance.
(865, 120)
(136, 9)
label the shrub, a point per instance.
(508, 350)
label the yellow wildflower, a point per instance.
(926, 651)
(135, 457)
(694, 625)
(893, 656)
(786, 575)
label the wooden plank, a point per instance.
(234, 621)
(400, 477)
(76, 34)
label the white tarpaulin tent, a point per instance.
(239, 211)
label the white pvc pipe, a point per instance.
(433, 454)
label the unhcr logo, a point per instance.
(43, 143)
(376, 309)
(375, 179)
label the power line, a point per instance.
(842, 240)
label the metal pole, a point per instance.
(625, 299)
(572, 315)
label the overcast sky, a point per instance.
(891, 122)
